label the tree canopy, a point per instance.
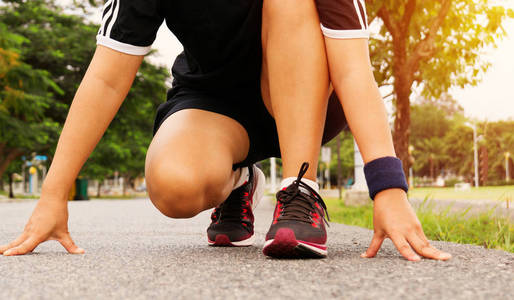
(44, 53)
(432, 45)
(443, 144)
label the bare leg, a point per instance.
(296, 70)
(189, 162)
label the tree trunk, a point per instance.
(8, 158)
(11, 190)
(431, 160)
(401, 134)
(98, 190)
(125, 183)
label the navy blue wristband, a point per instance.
(385, 173)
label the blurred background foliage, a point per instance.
(431, 46)
(44, 53)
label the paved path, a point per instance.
(135, 252)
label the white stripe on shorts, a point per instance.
(105, 15)
(358, 11)
(114, 17)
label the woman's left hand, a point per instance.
(394, 218)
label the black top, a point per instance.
(221, 38)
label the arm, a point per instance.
(98, 98)
(354, 83)
(101, 93)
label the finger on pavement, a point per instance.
(403, 246)
(20, 239)
(376, 243)
(423, 248)
(27, 246)
(70, 246)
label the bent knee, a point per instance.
(180, 193)
(175, 207)
(173, 197)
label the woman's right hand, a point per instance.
(49, 221)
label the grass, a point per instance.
(483, 229)
(449, 193)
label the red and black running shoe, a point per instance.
(298, 228)
(232, 221)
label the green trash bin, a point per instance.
(81, 189)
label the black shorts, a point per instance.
(248, 109)
(343, 19)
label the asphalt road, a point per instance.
(134, 252)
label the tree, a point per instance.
(459, 148)
(44, 54)
(26, 94)
(442, 141)
(498, 138)
(39, 77)
(433, 45)
(431, 122)
(58, 43)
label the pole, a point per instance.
(43, 168)
(273, 174)
(475, 147)
(23, 185)
(327, 176)
(360, 180)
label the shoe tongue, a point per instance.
(292, 192)
(306, 191)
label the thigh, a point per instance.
(194, 135)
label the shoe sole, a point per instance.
(222, 240)
(285, 245)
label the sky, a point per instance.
(492, 99)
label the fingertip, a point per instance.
(445, 256)
(415, 258)
(75, 250)
(4, 248)
(8, 253)
(364, 255)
